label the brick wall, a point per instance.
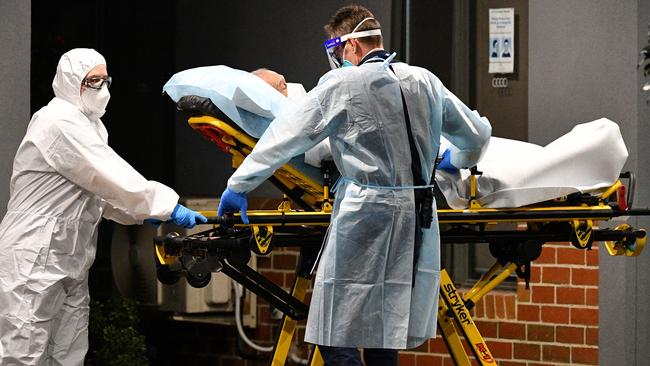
(279, 267)
(555, 322)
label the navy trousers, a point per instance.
(340, 356)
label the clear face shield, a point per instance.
(334, 47)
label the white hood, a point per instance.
(73, 66)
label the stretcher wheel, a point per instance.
(500, 251)
(198, 280)
(165, 275)
(529, 250)
(239, 256)
(516, 252)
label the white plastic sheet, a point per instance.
(516, 174)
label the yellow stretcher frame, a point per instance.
(454, 317)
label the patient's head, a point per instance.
(272, 78)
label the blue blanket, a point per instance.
(245, 98)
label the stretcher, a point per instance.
(302, 218)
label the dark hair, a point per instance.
(348, 17)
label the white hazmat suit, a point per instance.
(65, 179)
(364, 295)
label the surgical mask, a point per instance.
(95, 101)
(346, 62)
(332, 45)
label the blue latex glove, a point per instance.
(154, 222)
(232, 201)
(185, 217)
(445, 164)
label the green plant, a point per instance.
(113, 334)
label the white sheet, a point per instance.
(516, 173)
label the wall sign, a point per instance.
(502, 41)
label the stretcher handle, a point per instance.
(631, 189)
(523, 236)
(277, 218)
(227, 220)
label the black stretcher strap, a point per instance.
(420, 194)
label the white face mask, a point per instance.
(95, 101)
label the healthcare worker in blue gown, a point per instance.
(367, 293)
(65, 179)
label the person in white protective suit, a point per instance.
(377, 282)
(65, 179)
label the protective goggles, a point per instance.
(334, 47)
(97, 82)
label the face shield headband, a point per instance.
(334, 47)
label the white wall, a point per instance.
(639, 335)
(582, 67)
(15, 48)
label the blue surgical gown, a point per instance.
(364, 295)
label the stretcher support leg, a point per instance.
(266, 289)
(300, 285)
(283, 343)
(316, 358)
(496, 267)
(456, 306)
(490, 284)
(450, 335)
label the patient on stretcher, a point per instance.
(274, 79)
(587, 159)
(316, 154)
